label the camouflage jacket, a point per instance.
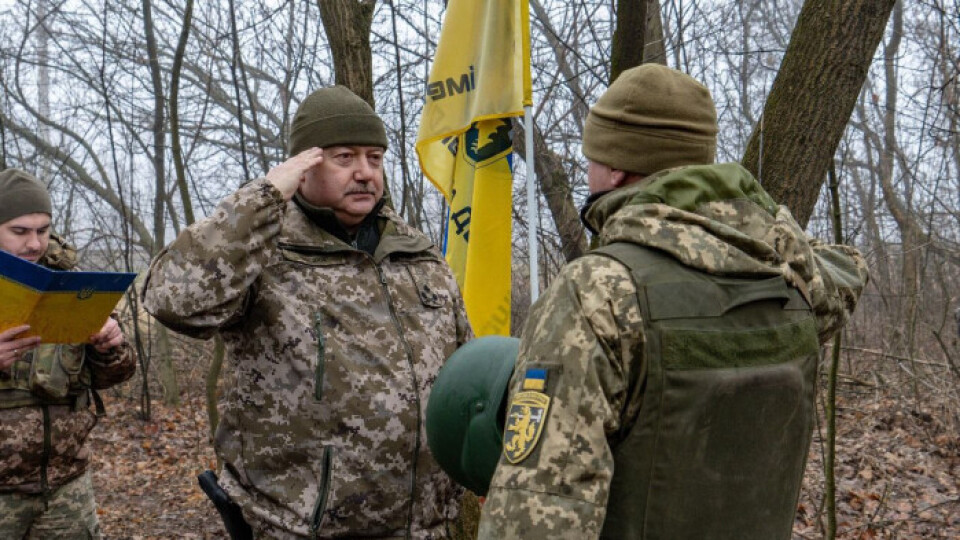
(42, 445)
(715, 219)
(335, 352)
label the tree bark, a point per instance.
(654, 49)
(812, 97)
(347, 24)
(627, 49)
(829, 460)
(555, 186)
(176, 148)
(159, 134)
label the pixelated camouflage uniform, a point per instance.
(715, 219)
(42, 440)
(335, 352)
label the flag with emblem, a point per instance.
(479, 80)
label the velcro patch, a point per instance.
(536, 379)
(525, 421)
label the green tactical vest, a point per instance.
(48, 375)
(718, 447)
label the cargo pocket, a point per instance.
(55, 369)
(316, 520)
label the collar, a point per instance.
(325, 218)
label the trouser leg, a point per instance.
(71, 513)
(17, 512)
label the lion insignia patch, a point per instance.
(526, 417)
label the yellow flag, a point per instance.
(480, 79)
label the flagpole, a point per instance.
(533, 217)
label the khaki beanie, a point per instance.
(335, 116)
(22, 194)
(652, 118)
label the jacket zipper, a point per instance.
(321, 505)
(416, 394)
(413, 372)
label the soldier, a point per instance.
(664, 385)
(45, 487)
(336, 316)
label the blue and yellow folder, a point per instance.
(60, 307)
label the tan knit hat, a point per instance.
(22, 194)
(652, 118)
(333, 117)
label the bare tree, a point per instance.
(812, 97)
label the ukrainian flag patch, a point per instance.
(536, 379)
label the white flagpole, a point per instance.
(533, 214)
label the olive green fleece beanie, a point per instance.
(652, 118)
(22, 194)
(335, 116)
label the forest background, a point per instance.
(142, 115)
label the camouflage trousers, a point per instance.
(68, 513)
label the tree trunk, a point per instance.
(627, 49)
(555, 186)
(44, 169)
(654, 49)
(159, 134)
(176, 147)
(166, 371)
(812, 97)
(347, 24)
(911, 231)
(829, 460)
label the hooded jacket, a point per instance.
(586, 333)
(335, 351)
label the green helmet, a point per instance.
(465, 413)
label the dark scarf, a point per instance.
(367, 237)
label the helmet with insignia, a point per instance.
(466, 410)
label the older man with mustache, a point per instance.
(336, 315)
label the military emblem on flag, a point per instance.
(479, 81)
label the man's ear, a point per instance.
(618, 178)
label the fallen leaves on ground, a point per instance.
(897, 471)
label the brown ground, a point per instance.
(898, 470)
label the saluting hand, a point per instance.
(11, 347)
(108, 337)
(288, 175)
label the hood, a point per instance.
(715, 218)
(60, 255)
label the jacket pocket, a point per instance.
(430, 293)
(316, 257)
(316, 520)
(56, 369)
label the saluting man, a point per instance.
(336, 316)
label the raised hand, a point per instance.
(288, 175)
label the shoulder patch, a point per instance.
(526, 417)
